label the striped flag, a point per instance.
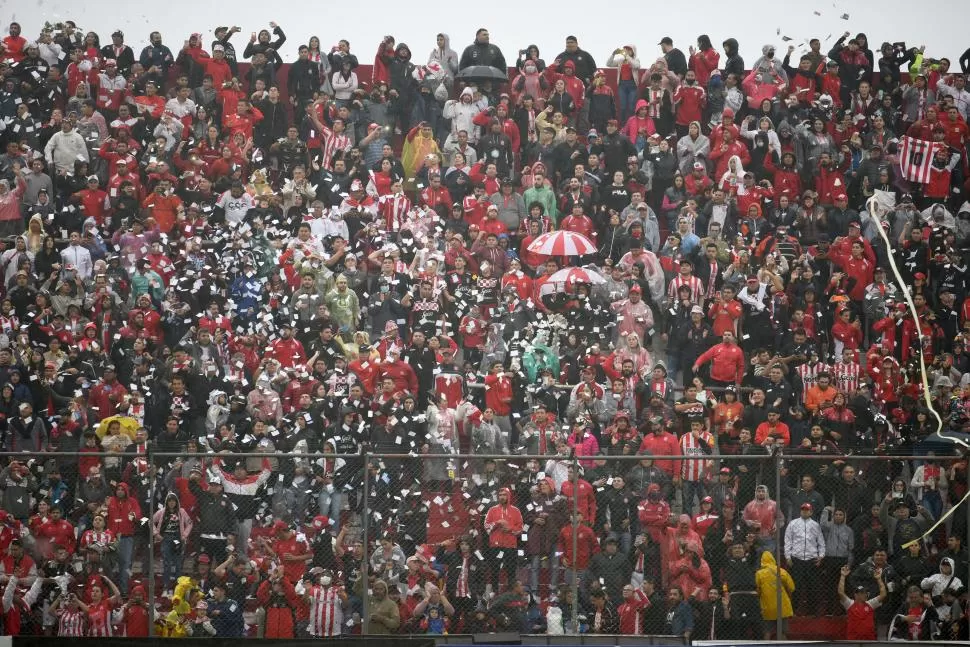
(916, 158)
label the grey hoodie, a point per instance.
(765, 62)
(446, 57)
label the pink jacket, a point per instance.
(185, 522)
(10, 201)
(585, 446)
(635, 124)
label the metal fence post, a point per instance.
(153, 472)
(779, 622)
(365, 558)
(575, 522)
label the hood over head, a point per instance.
(768, 560)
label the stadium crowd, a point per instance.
(226, 280)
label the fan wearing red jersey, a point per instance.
(99, 609)
(859, 610)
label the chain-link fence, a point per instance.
(322, 544)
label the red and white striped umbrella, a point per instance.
(572, 275)
(562, 243)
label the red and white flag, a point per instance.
(916, 158)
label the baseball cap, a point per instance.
(666, 40)
(806, 506)
(697, 310)
(204, 559)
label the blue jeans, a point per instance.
(330, 504)
(172, 551)
(624, 538)
(535, 563)
(628, 100)
(687, 491)
(126, 545)
(673, 366)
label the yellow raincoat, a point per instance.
(416, 147)
(766, 580)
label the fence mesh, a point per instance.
(293, 543)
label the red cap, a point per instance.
(279, 526)
(754, 279)
(204, 559)
(728, 112)
(806, 506)
(920, 276)
(636, 288)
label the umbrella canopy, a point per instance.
(572, 275)
(562, 243)
(128, 426)
(482, 73)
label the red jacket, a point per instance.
(832, 86)
(60, 533)
(403, 375)
(784, 178)
(104, 398)
(498, 394)
(722, 157)
(690, 101)
(586, 501)
(828, 184)
(727, 362)
(704, 62)
(803, 86)
(663, 445)
(503, 535)
(124, 514)
(279, 619)
(244, 124)
(288, 352)
(586, 546)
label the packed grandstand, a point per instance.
(482, 342)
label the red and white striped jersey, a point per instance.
(103, 537)
(697, 289)
(393, 210)
(326, 613)
(332, 142)
(695, 470)
(463, 586)
(70, 623)
(845, 376)
(809, 374)
(99, 620)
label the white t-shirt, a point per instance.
(235, 208)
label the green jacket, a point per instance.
(544, 196)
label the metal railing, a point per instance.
(376, 503)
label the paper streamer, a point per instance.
(872, 205)
(952, 509)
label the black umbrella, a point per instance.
(482, 73)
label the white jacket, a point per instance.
(343, 89)
(64, 149)
(462, 114)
